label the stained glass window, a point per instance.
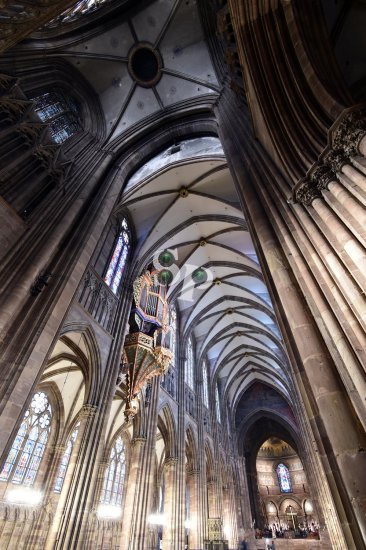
(79, 9)
(66, 459)
(284, 479)
(114, 476)
(218, 409)
(188, 372)
(28, 447)
(173, 333)
(61, 113)
(205, 384)
(118, 260)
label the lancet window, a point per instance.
(24, 459)
(173, 333)
(205, 384)
(61, 112)
(114, 476)
(284, 479)
(218, 409)
(66, 459)
(118, 260)
(189, 376)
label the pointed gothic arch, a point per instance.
(167, 427)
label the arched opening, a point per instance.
(283, 487)
(191, 522)
(278, 484)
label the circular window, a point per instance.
(144, 65)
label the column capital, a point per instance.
(306, 192)
(59, 449)
(193, 472)
(139, 441)
(171, 461)
(349, 131)
(321, 176)
(335, 159)
(211, 481)
(88, 411)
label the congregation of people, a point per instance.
(280, 531)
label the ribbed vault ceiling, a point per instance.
(186, 201)
(173, 29)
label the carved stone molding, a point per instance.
(59, 449)
(20, 18)
(214, 528)
(336, 159)
(138, 441)
(306, 192)
(88, 411)
(344, 139)
(321, 177)
(193, 472)
(170, 462)
(349, 131)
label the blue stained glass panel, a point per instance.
(118, 260)
(60, 111)
(65, 460)
(5, 471)
(188, 373)
(284, 479)
(25, 455)
(205, 384)
(114, 475)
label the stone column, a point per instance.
(192, 480)
(140, 487)
(338, 435)
(170, 500)
(136, 458)
(202, 512)
(74, 504)
(34, 321)
(212, 498)
(245, 524)
(229, 515)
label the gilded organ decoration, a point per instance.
(147, 346)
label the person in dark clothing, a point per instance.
(243, 545)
